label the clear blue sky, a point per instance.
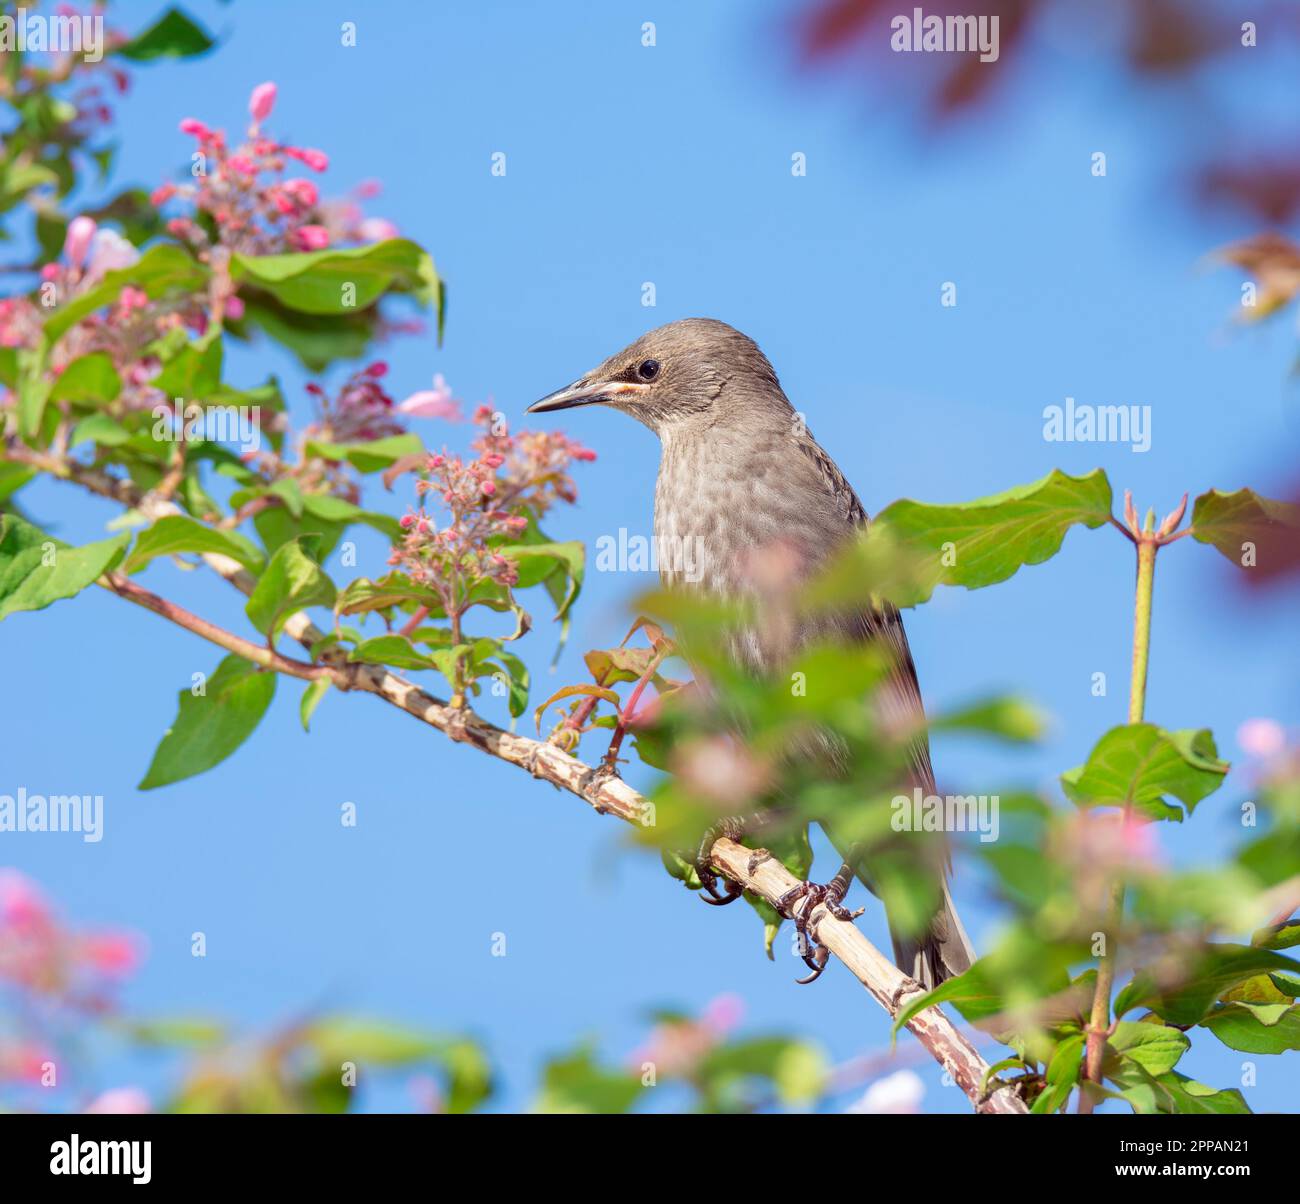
(669, 165)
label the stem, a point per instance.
(259, 654)
(1099, 1021)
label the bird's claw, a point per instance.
(814, 895)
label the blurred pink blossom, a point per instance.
(21, 902)
(109, 252)
(432, 403)
(261, 102)
(76, 242)
(377, 229)
(121, 1101)
(1261, 738)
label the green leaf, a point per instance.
(1201, 981)
(173, 35)
(395, 650)
(516, 673)
(311, 696)
(578, 1085)
(209, 727)
(102, 429)
(292, 581)
(983, 542)
(562, 563)
(1268, 1028)
(1154, 1047)
(1193, 1098)
(1139, 764)
(393, 589)
(378, 1043)
(91, 378)
(1011, 719)
(335, 510)
(368, 457)
(1227, 521)
(176, 533)
(37, 570)
(193, 372)
(1278, 936)
(338, 281)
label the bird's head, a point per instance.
(692, 370)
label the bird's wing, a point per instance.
(900, 699)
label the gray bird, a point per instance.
(740, 473)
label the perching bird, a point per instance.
(740, 473)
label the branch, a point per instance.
(606, 793)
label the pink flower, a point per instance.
(113, 953)
(432, 403)
(377, 229)
(242, 164)
(261, 102)
(723, 1014)
(1262, 738)
(302, 191)
(20, 900)
(132, 299)
(121, 1101)
(110, 253)
(81, 230)
(311, 238)
(317, 160)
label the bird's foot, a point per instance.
(799, 903)
(733, 828)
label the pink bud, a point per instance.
(488, 488)
(311, 238)
(315, 159)
(77, 243)
(162, 194)
(406, 521)
(50, 271)
(262, 101)
(377, 369)
(234, 308)
(192, 125)
(302, 191)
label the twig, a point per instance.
(605, 792)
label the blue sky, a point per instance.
(670, 165)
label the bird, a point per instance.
(739, 472)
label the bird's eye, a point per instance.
(648, 369)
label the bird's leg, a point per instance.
(733, 827)
(814, 895)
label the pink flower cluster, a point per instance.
(39, 955)
(489, 498)
(255, 208)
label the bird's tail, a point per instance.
(943, 952)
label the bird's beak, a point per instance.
(585, 392)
